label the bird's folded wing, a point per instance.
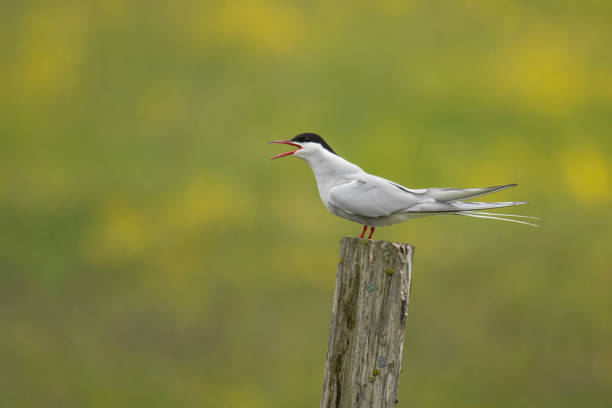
(371, 196)
(449, 195)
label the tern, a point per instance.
(349, 192)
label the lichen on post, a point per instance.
(368, 321)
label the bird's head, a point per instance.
(308, 145)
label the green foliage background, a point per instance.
(151, 255)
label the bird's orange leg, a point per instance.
(371, 232)
(365, 227)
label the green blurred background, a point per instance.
(151, 255)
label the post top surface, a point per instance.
(374, 241)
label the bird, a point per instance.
(349, 192)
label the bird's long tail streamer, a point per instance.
(501, 217)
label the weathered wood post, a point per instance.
(366, 335)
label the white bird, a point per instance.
(349, 192)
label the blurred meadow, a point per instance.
(152, 256)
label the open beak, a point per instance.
(287, 142)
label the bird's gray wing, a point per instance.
(371, 196)
(449, 195)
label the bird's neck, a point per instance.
(329, 170)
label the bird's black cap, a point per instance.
(313, 138)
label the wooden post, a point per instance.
(366, 335)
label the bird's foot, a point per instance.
(371, 232)
(365, 227)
